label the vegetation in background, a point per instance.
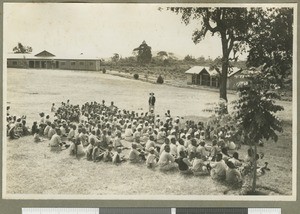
(22, 49)
(239, 29)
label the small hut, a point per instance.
(201, 75)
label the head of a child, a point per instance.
(151, 150)
(194, 142)
(167, 141)
(167, 148)
(134, 146)
(235, 155)
(219, 157)
(202, 143)
(173, 140)
(182, 154)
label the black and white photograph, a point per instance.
(149, 101)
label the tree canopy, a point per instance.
(238, 28)
(22, 49)
(273, 48)
(144, 54)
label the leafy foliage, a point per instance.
(144, 54)
(160, 80)
(22, 49)
(255, 112)
(256, 108)
(239, 28)
(273, 48)
(136, 76)
(115, 57)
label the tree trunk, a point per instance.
(225, 65)
(223, 81)
(254, 170)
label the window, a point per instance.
(81, 63)
(62, 63)
(15, 62)
(73, 63)
(91, 63)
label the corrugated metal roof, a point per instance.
(196, 69)
(199, 69)
(47, 55)
(213, 72)
(234, 70)
(69, 57)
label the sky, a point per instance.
(101, 30)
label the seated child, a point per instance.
(183, 163)
(36, 137)
(117, 158)
(134, 154)
(218, 171)
(233, 176)
(199, 167)
(76, 147)
(108, 155)
(151, 158)
(166, 161)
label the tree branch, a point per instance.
(207, 24)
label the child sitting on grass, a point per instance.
(166, 160)
(151, 158)
(134, 155)
(117, 158)
(233, 176)
(218, 171)
(199, 167)
(36, 137)
(183, 163)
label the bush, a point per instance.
(136, 76)
(103, 70)
(160, 80)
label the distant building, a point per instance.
(47, 60)
(202, 75)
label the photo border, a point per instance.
(193, 202)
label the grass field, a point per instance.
(33, 169)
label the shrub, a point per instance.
(136, 76)
(103, 70)
(160, 80)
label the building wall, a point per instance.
(17, 63)
(189, 78)
(68, 64)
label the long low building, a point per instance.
(47, 60)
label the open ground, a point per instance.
(32, 169)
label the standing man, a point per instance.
(151, 102)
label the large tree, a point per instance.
(239, 28)
(22, 49)
(144, 54)
(230, 24)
